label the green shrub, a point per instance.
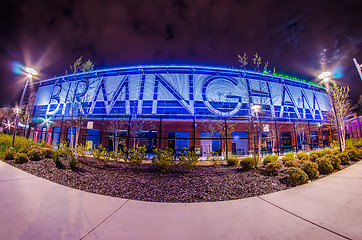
(189, 160)
(303, 156)
(352, 154)
(291, 163)
(9, 155)
(136, 155)
(297, 176)
(269, 159)
(73, 161)
(323, 152)
(273, 168)
(233, 161)
(24, 150)
(214, 158)
(288, 156)
(335, 151)
(35, 154)
(313, 156)
(21, 158)
(47, 152)
(163, 160)
(56, 159)
(344, 158)
(324, 165)
(336, 162)
(247, 163)
(311, 169)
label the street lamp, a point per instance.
(30, 72)
(256, 109)
(326, 76)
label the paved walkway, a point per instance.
(34, 208)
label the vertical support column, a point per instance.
(310, 137)
(226, 138)
(128, 130)
(276, 135)
(60, 131)
(101, 133)
(160, 135)
(194, 125)
(330, 133)
(295, 137)
(360, 129)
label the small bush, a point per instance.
(353, 154)
(73, 162)
(344, 158)
(273, 168)
(9, 155)
(21, 158)
(48, 152)
(291, 163)
(163, 160)
(247, 163)
(136, 155)
(313, 156)
(269, 159)
(324, 165)
(24, 150)
(35, 154)
(233, 161)
(311, 169)
(214, 158)
(303, 156)
(336, 162)
(189, 160)
(56, 159)
(323, 152)
(297, 176)
(288, 156)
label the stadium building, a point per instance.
(192, 107)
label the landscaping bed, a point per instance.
(146, 183)
(125, 174)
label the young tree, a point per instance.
(358, 106)
(115, 127)
(343, 107)
(76, 111)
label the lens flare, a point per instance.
(337, 72)
(17, 68)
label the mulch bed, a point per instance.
(146, 183)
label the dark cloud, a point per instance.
(297, 37)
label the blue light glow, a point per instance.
(17, 68)
(337, 72)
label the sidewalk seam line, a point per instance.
(309, 221)
(16, 179)
(105, 219)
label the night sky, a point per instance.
(299, 38)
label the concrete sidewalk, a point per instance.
(34, 208)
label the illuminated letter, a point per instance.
(54, 99)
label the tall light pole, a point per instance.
(326, 76)
(256, 109)
(30, 72)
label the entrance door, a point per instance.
(241, 142)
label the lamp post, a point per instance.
(30, 72)
(326, 76)
(256, 109)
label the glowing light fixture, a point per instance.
(326, 76)
(256, 108)
(30, 72)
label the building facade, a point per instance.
(192, 107)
